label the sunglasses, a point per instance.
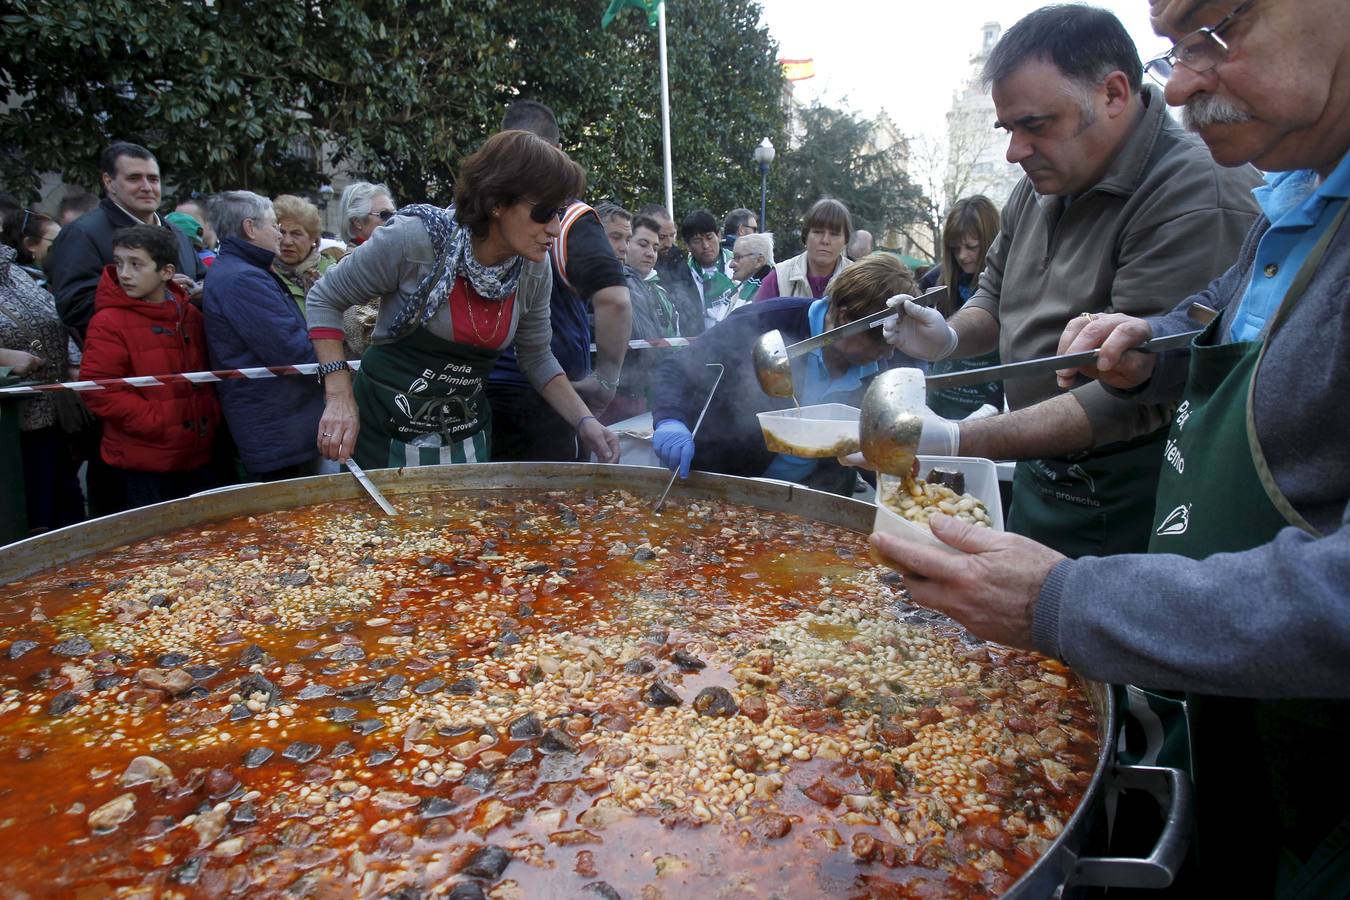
(542, 213)
(385, 215)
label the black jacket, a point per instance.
(680, 283)
(75, 262)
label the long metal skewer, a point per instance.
(660, 501)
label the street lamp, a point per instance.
(764, 154)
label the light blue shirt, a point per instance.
(1299, 210)
(816, 386)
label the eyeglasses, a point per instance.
(384, 215)
(1199, 51)
(737, 257)
(542, 213)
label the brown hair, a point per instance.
(830, 214)
(970, 217)
(865, 286)
(158, 243)
(289, 207)
(513, 166)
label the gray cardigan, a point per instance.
(393, 263)
(1273, 621)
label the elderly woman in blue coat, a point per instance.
(251, 320)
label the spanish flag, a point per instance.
(798, 69)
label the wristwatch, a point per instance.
(328, 368)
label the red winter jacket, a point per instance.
(158, 429)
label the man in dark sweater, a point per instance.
(75, 263)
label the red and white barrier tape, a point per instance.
(153, 381)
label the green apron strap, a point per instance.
(1296, 290)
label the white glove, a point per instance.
(939, 437)
(918, 331)
(984, 412)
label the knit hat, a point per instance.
(188, 225)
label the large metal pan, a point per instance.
(1061, 865)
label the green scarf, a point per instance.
(717, 285)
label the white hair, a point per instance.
(761, 243)
(357, 198)
(229, 209)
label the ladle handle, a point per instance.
(825, 338)
(721, 369)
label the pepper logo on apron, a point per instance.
(1177, 521)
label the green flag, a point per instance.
(616, 6)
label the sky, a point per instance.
(905, 56)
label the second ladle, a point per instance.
(892, 420)
(773, 357)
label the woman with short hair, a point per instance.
(251, 320)
(826, 230)
(299, 263)
(751, 263)
(456, 286)
(364, 207)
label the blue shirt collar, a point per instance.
(1295, 199)
(818, 381)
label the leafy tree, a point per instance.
(838, 155)
(391, 90)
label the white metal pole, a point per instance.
(665, 108)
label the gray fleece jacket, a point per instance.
(1273, 621)
(393, 263)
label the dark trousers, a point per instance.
(137, 489)
(526, 429)
(51, 488)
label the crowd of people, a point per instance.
(463, 320)
(1177, 521)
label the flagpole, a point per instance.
(665, 108)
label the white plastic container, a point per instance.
(816, 432)
(981, 482)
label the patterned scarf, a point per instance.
(454, 257)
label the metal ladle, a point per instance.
(893, 409)
(892, 420)
(773, 357)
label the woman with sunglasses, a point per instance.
(456, 286)
(364, 207)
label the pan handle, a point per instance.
(1172, 789)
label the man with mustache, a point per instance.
(1244, 598)
(1120, 211)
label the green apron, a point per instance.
(959, 402)
(422, 403)
(1269, 777)
(1094, 503)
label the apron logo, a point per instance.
(418, 386)
(1177, 521)
(1081, 473)
(402, 403)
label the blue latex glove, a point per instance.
(674, 445)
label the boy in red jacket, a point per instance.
(157, 440)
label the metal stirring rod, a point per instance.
(660, 501)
